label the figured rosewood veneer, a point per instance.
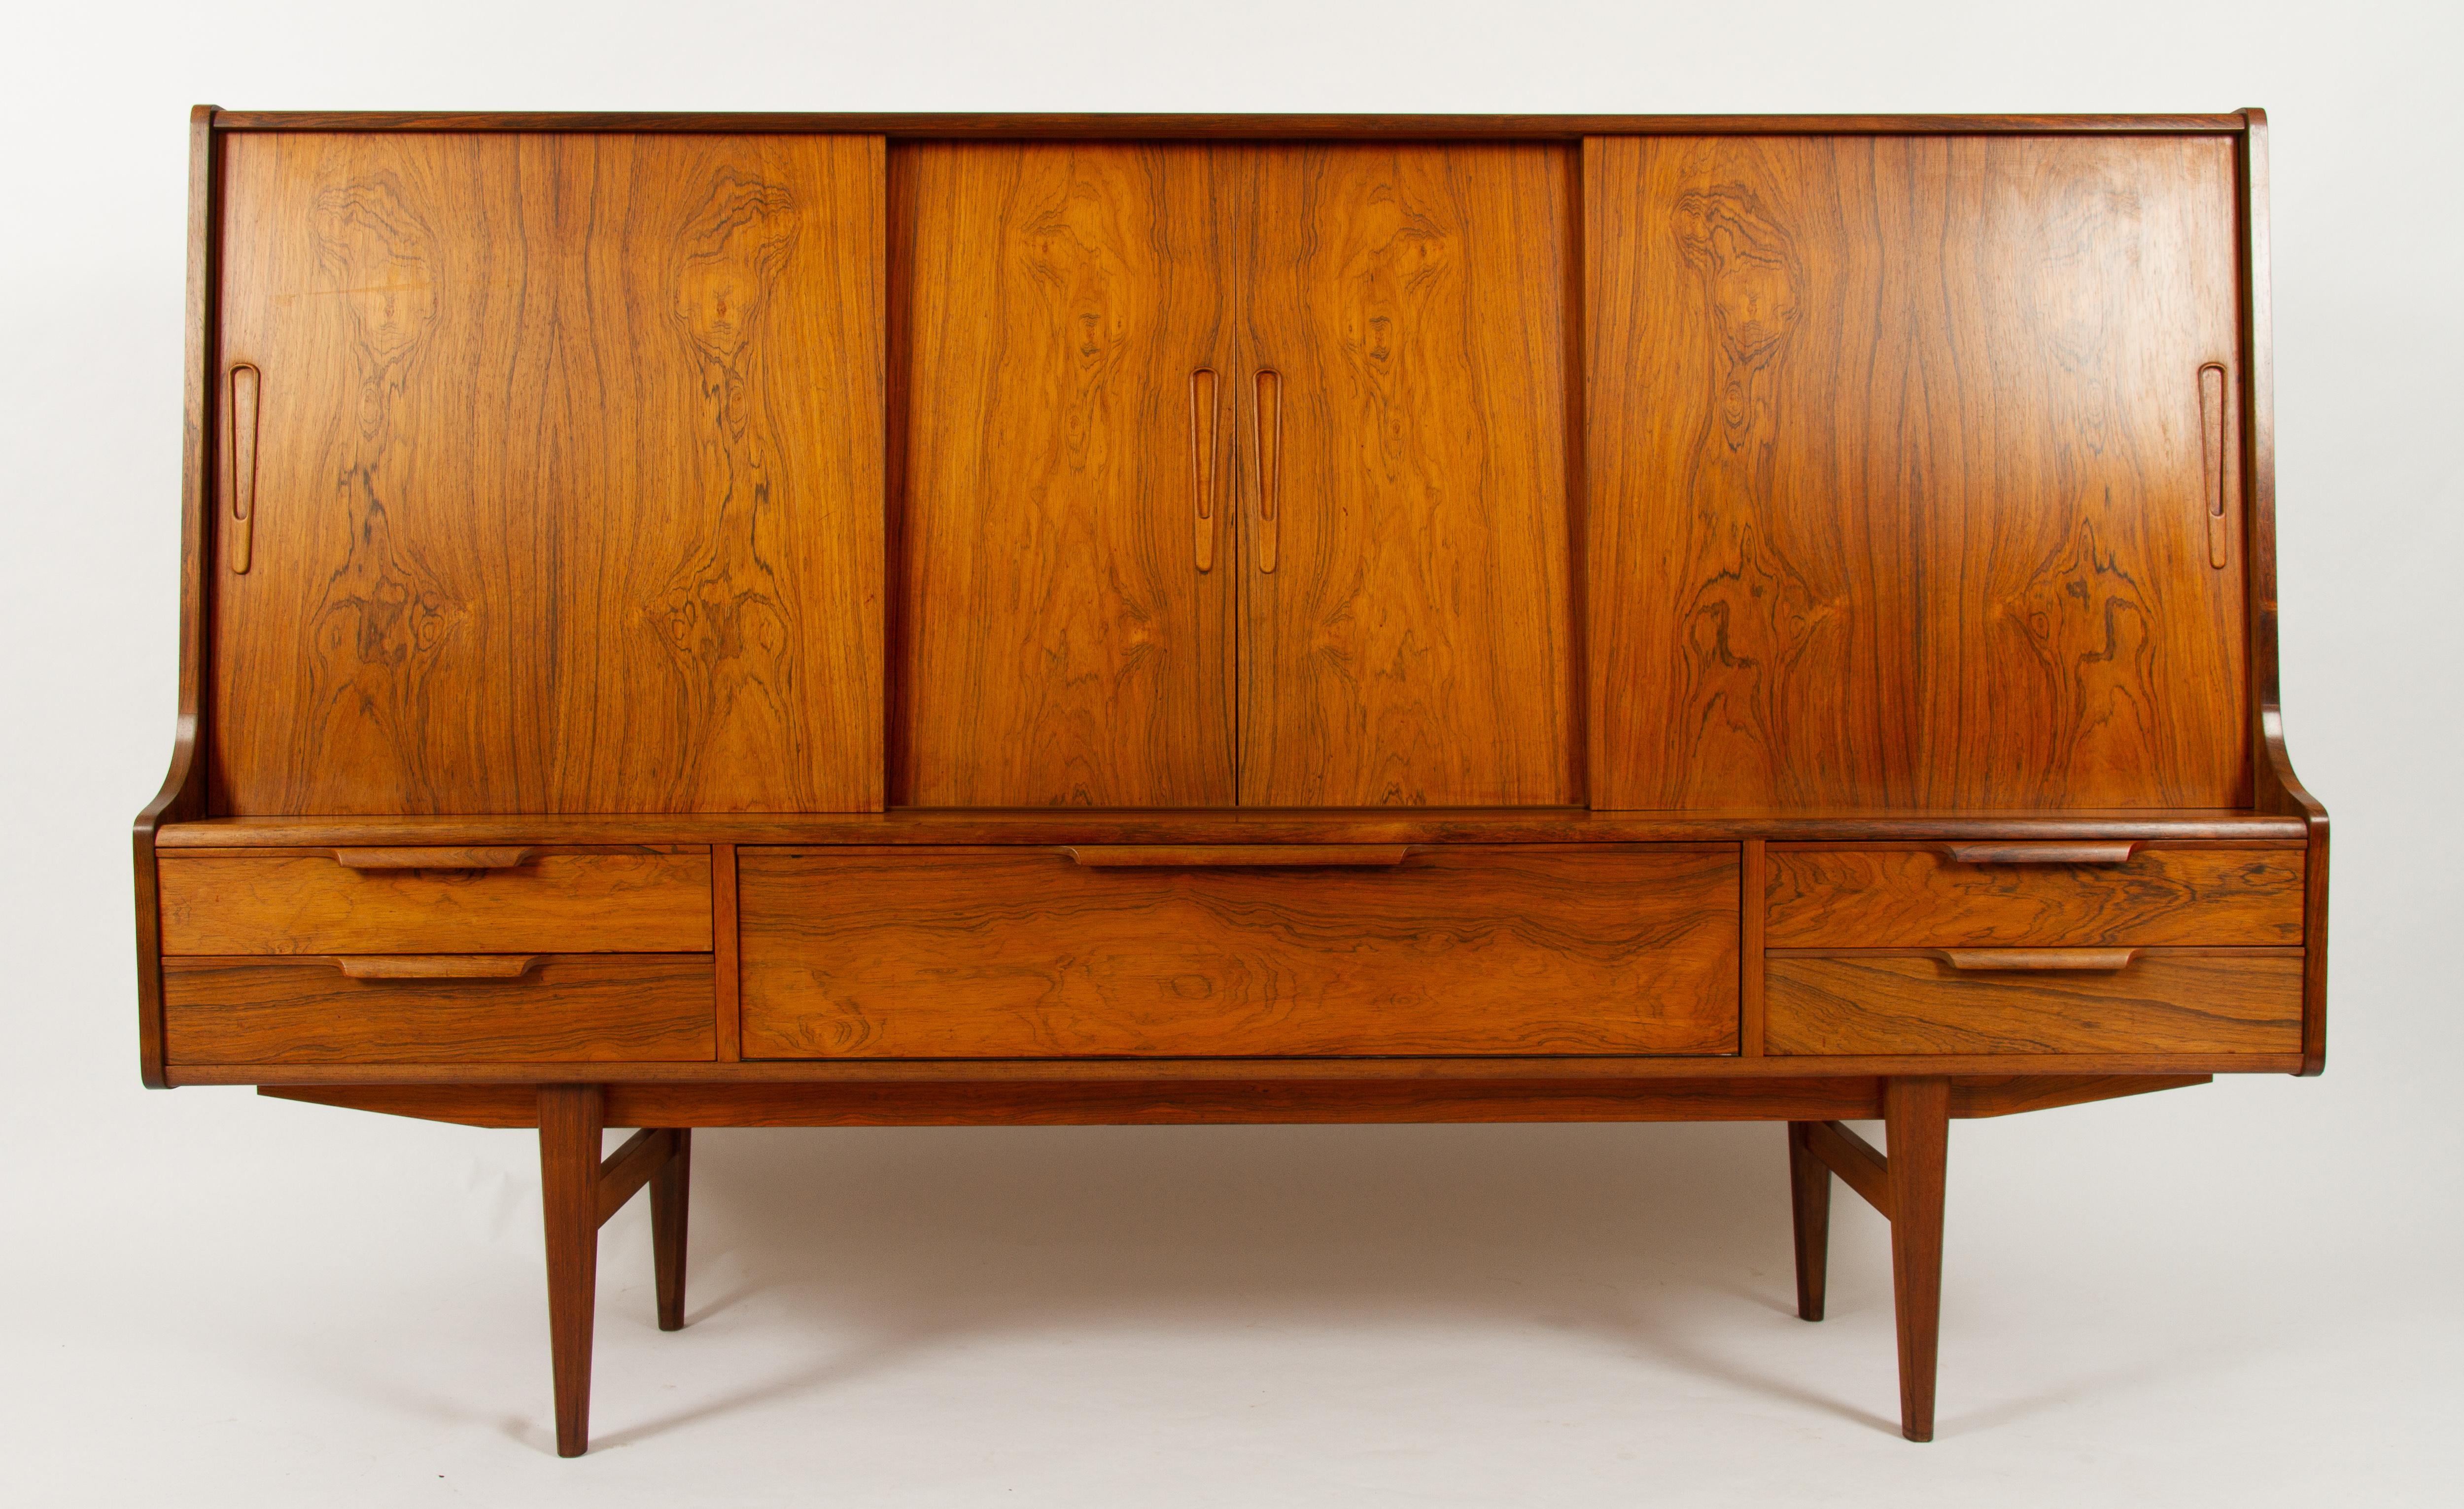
(862, 620)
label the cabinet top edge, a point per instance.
(933, 124)
(1089, 826)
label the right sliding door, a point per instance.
(1913, 473)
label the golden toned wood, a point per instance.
(1752, 889)
(1878, 895)
(2104, 960)
(2187, 1001)
(1895, 473)
(936, 125)
(853, 953)
(569, 467)
(1413, 640)
(1058, 645)
(567, 1008)
(2112, 851)
(501, 856)
(1236, 826)
(561, 900)
(437, 966)
(723, 960)
(239, 463)
(1216, 856)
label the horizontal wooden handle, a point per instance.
(429, 857)
(1212, 856)
(2092, 960)
(437, 966)
(2093, 852)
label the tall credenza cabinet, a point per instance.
(829, 620)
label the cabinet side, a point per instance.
(182, 794)
(2277, 788)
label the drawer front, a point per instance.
(1921, 896)
(1002, 953)
(2163, 1001)
(561, 1008)
(546, 900)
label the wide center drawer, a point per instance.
(1017, 952)
(434, 899)
(2032, 895)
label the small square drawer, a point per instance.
(2034, 1001)
(440, 1009)
(2032, 895)
(436, 899)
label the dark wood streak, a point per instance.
(1890, 897)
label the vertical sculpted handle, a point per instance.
(1268, 417)
(1204, 421)
(2211, 456)
(240, 456)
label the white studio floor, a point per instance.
(328, 1307)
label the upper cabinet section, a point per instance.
(1235, 473)
(551, 474)
(1914, 473)
(1408, 628)
(1067, 315)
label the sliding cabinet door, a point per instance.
(1409, 632)
(1066, 628)
(551, 474)
(1914, 473)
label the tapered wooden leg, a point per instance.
(1916, 1112)
(570, 1118)
(671, 1197)
(1809, 1182)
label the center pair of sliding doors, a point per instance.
(1236, 474)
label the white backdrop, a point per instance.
(2238, 1293)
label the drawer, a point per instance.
(1943, 1001)
(434, 899)
(1021, 953)
(1985, 895)
(502, 1009)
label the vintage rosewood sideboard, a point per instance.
(849, 620)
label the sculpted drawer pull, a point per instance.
(427, 858)
(1267, 423)
(239, 455)
(1205, 426)
(2092, 960)
(2117, 852)
(1211, 856)
(437, 966)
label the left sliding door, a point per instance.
(551, 474)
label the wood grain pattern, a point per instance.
(2182, 1001)
(1909, 897)
(569, 1008)
(1414, 640)
(569, 470)
(1059, 644)
(564, 900)
(1252, 826)
(993, 953)
(1896, 477)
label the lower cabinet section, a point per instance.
(429, 1009)
(2034, 1001)
(1020, 952)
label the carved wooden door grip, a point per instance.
(1205, 419)
(2211, 456)
(1268, 418)
(240, 456)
